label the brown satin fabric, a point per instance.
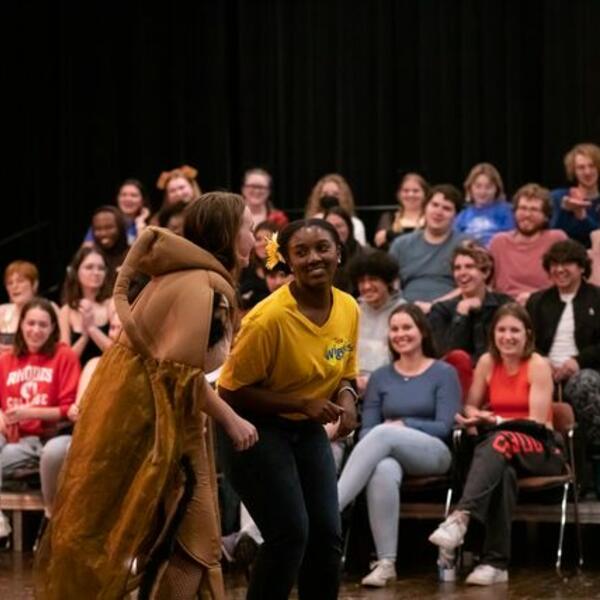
(141, 412)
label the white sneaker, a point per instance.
(451, 533)
(5, 527)
(382, 574)
(487, 575)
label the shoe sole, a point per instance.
(501, 579)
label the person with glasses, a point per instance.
(518, 253)
(256, 191)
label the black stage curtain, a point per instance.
(100, 91)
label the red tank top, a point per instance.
(509, 394)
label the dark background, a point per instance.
(100, 91)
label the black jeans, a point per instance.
(287, 481)
(490, 492)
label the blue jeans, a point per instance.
(287, 481)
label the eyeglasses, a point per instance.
(256, 186)
(530, 209)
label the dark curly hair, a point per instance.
(374, 264)
(568, 251)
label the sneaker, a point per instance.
(487, 575)
(451, 533)
(5, 527)
(384, 571)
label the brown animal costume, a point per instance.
(142, 445)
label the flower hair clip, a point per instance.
(272, 250)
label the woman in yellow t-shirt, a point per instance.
(291, 370)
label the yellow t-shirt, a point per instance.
(280, 349)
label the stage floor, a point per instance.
(530, 583)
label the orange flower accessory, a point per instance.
(272, 250)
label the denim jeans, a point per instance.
(287, 481)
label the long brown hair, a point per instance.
(72, 292)
(213, 222)
(49, 347)
(512, 309)
(313, 204)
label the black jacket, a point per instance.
(546, 308)
(452, 331)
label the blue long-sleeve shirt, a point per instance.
(427, 402)
(483, 222)
(576, 229)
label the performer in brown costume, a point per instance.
(137, 503)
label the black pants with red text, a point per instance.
(490, 491)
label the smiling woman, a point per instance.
(290, 371)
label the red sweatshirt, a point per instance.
(39, 380)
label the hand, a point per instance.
(3, 424)
(361, 383)
(576, 202)
(18, 413)
(326, 412)
(522, 298)
(424, 306)
(380, 238)
(466, 305)
(242, 433)
(348, 421)
(566, 370)
(481, 417)
(86, 310)
(141, 219)
(73, 413)
(331, 429)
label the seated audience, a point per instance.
(55, 450)
(342, 222)
(178, 185)
(463, 323)
(577, 209)
(411, 194)
(277, 276)
(133, 204)
(516, 440)
(38, 381)
(334, 185)
(109, 235)
(374, 276)
(253, 287)
(408, 412)
(487, 211)
(21, 280)
(171, 217)
(566, 323)
(424, 255)
(518, 253)
(84, 316)
(256, 191)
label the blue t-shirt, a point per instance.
(576, 229)
(427, 402)
(482, 223)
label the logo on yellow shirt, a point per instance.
(337, 350)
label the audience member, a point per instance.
(278, 276)
(424, 255)
(256, 191)
(566, 323)
(375, 276)
(179, 185)
(109, 235)
(133, 204)
(408, 413)
(487, 212)
(334, 185)
(84, 316)
(38, 381)
(253, 286)
(516, 439)
(463, 323)
(172, 217)
(410, 195)
(21, 280)
(290, 370)
(518, 253)
(577, 209)
(342, 222)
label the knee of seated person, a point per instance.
(586, 381)
(387, 469)
(56, 448)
